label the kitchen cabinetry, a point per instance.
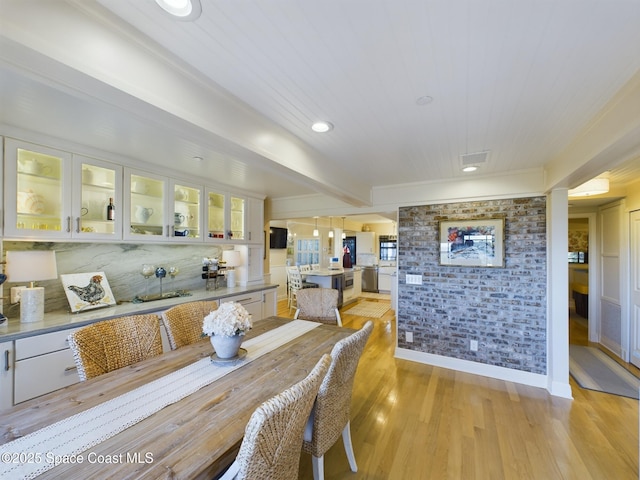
(145, 209)
(52, 194)
(255, 264)
(255, 221)
(158, 208)
(44, 363)
(96, 185)
(232, 217)
(37, 191)
(186, 215)
(6, 374)
(269, 303)
(365, 242)
(56, 195)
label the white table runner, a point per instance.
(37, 452)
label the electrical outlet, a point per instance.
(473, 345)
(408, 337)
(15, 294)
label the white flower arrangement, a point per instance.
(230, 319)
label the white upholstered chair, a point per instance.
(318, 305)
(272, 441)
(331, 414)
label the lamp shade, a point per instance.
(31, 266)
(231, 258)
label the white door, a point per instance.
(634, 229)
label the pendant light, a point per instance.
(344, 235)
(315, 230)
(330, 227)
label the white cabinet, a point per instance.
(52, 194)
(254, 264)
(186, 215)
(43, 363)
(145, 212)
(226, 216)
(97, 187)
(255, 221)
(6, 374)
(365, 242)
(37, 191)
(269, 303)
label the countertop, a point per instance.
(324, 272)
(12, 329)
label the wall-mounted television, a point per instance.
(278, 237)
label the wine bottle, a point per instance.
(111, 210)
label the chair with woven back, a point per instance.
(183, 322)
(318, 305)
(272, 441)
(112, 344)
(331, 414)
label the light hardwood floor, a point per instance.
(413, 421)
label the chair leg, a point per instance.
(348, 447)
(318, 467)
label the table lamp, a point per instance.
(31, 266)
(231, 259)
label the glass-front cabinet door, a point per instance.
(96, 206)
(145, 214)
(236, 220)
(37, 180)
(187, 212)
(216, 208)
(225, 216)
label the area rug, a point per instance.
(595, 370)
(370, 309)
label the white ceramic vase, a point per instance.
(226, 346)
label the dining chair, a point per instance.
(305, 268)
(318, 305)
(112, 344)
(272, 440)
(183, 322)
(295, 284)
(331, 417)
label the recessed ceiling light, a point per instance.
(321, 127)
(187, 10)
(198, 159)
(424, 100)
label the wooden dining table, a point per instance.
(196, 437)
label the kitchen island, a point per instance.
(342, 279)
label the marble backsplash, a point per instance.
(121, 264)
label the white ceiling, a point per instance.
(518, 79)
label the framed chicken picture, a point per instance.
(86, 291)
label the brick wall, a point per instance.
(504, 309)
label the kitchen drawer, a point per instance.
(41, 344)
(245, 298)
(43, 374)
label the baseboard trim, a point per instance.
(492, 371)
